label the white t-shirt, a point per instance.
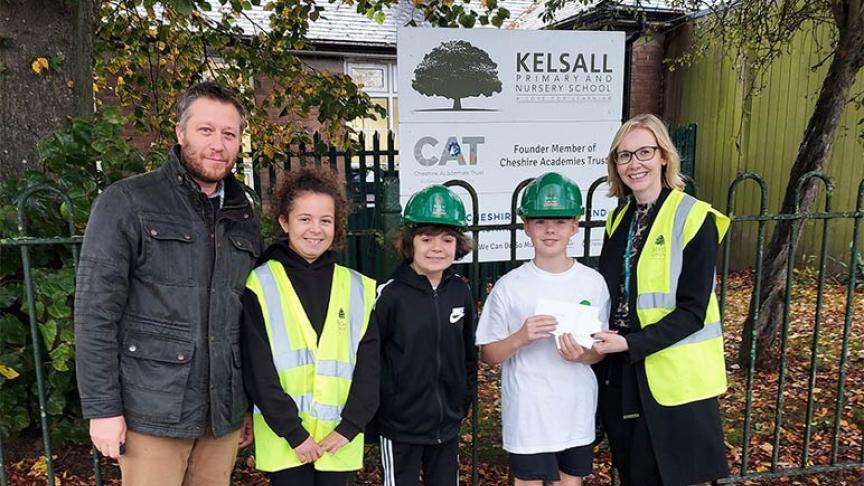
(548, 403)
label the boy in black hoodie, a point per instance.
(426, 319)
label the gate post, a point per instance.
(391, 213)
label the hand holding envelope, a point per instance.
(579, 320)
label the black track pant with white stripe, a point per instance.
(403, 463)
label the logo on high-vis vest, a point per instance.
(660, 241)
(457, 314)
(341, 321)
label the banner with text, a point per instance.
(494, 107)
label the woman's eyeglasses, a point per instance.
(642, 153)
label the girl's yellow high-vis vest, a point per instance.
(694, 368)
(316, 373)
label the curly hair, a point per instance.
(319, 180)
(403, 239)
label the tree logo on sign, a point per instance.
(457, 70)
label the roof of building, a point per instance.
(531, 18)
(341, 24)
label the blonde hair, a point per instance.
(671, 171)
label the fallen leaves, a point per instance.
(798, 397)
(39, 64)
(797, 393)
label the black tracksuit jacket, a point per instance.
(312, 282)
(428, 356)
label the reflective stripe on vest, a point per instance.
(306, 404)
(676, 255)
(694, 367)
(284, 357)
(316, 372)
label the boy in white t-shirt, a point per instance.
(549, 392)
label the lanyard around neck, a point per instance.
(627, 257)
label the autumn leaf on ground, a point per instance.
(39, 64)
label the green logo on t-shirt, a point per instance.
(585, 302)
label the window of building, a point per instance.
(379, 81)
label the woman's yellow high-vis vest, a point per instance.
(694, 368)
(316, 373)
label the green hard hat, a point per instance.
(435, 205)
(551, 196)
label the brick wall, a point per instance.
(263, 88)
(136, 138)
(646, 76)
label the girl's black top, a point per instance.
(312, 282)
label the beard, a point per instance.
(192, 160)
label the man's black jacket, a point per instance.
(157, 304)
(428, 356)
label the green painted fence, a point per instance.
(712, 93)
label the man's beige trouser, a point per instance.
(164, 461)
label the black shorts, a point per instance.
(576, 461)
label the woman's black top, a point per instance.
(696, 284)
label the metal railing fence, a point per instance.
(382, 211)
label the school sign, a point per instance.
(495, 107)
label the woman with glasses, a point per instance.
(664, 366)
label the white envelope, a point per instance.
(581, 321)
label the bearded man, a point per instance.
(157, 308)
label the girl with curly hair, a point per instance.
(310, 356)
